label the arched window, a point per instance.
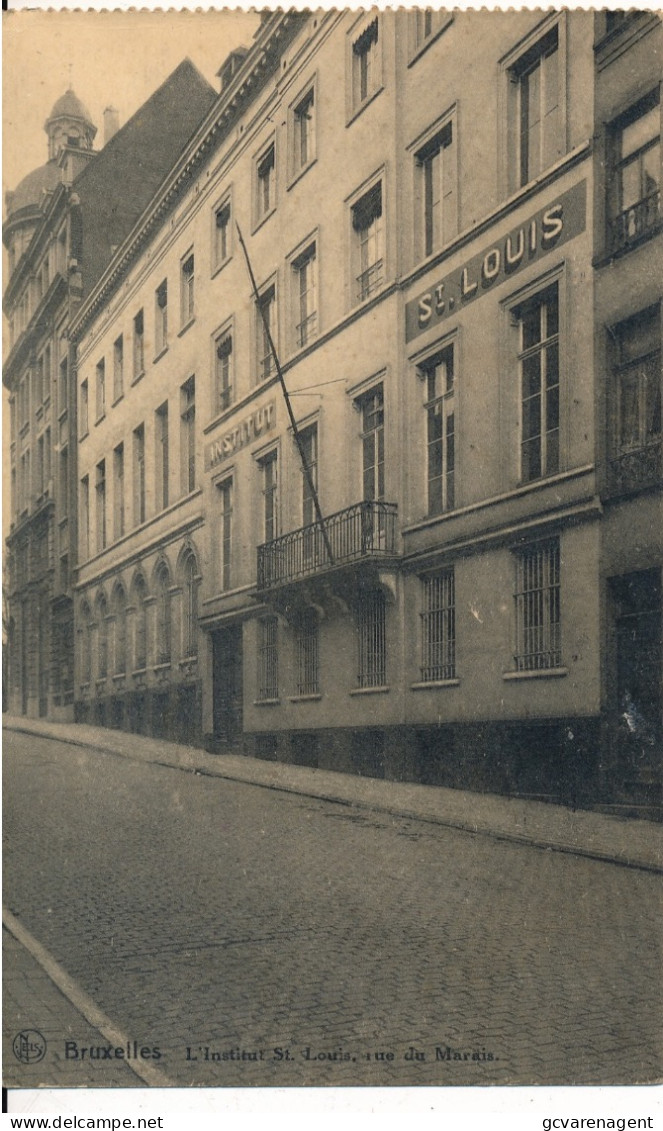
(102, 636)
(190, 606)
(140, 639)
(86, 644)
(120, 610)
(162, 594)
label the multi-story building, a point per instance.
(64, 222)
(423, 203)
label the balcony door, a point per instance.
(371, 407)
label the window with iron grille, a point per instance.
(223, 364)
(368, 250)
(537, 320)
(439, 376)
(538, 623)
(268, 675)
(187, 284)
(308, 677)
(225, 494)
(438, 627)
(634, 183)
(372, 639)
(305, 271)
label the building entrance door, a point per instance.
(227, 683)
(639, 663)
(24, 656)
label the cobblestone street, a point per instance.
(232, 921)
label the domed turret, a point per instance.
(69, 123)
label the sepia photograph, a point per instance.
(333, 548)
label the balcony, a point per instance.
(636, 469)
(363, 532)
(635, 223)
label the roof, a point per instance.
(29, 193)
(70, 106)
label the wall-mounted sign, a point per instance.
(549, 228)
(248, 430)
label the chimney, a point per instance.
(111, 123)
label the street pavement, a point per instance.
(265, 936)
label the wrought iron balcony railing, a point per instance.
(635, 222)
(637, 468)
(363, 531)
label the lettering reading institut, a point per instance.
(248, 429)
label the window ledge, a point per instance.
(357, 110)
(263, 220)
(432, 684)
(297, 176)
(164, 667)
(83, 435)
(218, 267)
(429, 41)
(314, 698)
(117, 400)
(540, 673)
(99, 419)
(119, 678)
(138, 377)
(266, 702)
(63, 415)
(186, 326)
(160, 355)
(381, 690)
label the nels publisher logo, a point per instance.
(29, 1046)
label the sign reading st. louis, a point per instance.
(549, 228)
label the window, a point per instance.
(366, 69)
(190, 595)
(84, 408)
(187, 282)
(371, 639)
(438, 628)
(426, 24)
(47, 460)
(305, 270)
(309, 441)
(371, 407)
(118, 368)
(222, 233)
(265, 183)
(118, 491)
(634, 188)
(85, 517)
(536, 111)
(538, 628)
(269, 471)
(102, 637)
(636, 398)
(438, 374)
(64, 482)
(266, 331)
(368, 243)
(140, 636)
(225, 496)
(63, 391)
(307, 636)
(120, 611)
(40, 466)
(163, 625)
(223, 375)
(139, 474)
(188, 435)
(47, 373)
(538, 328)
(100, 489)
(139, 345)
(268, 673)
(161, 317)
(303, 132)
(101, 390)
(86, 644)
(161, 455)
(436, 171)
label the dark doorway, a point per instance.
(227, 683)
(638, 670)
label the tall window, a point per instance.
(437, 170)
(118, 367)
(636, 398)
(63, 491)
(120, 611)
(265, 326)
(371, 406)
(163, 614)
(84, 424)
(139, 474)
(102, 637)
(190, 599)
(161, 454)
(366, 75)
(161, 317)
(371, 639)
(268, 667)
(63, 385)
(101, 389)
(634, 187)
(225, 496)
(85, 517)
(140, 635)
(438, 628)
(538, 328)
(307, 636)
(118, 491)
(187, 282)
(139, 345)
(223, 363)
(303, 122)
(265, 183)
(305, 271)
(101, 505)
(222, 233)
(309, 441)
(269, 470)
(438, 375)
(368, 242)
(536, 76)
(86, 644)
(538, 627)
(188, 434)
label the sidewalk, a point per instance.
(625, 841)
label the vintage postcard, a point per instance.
(333, 548)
